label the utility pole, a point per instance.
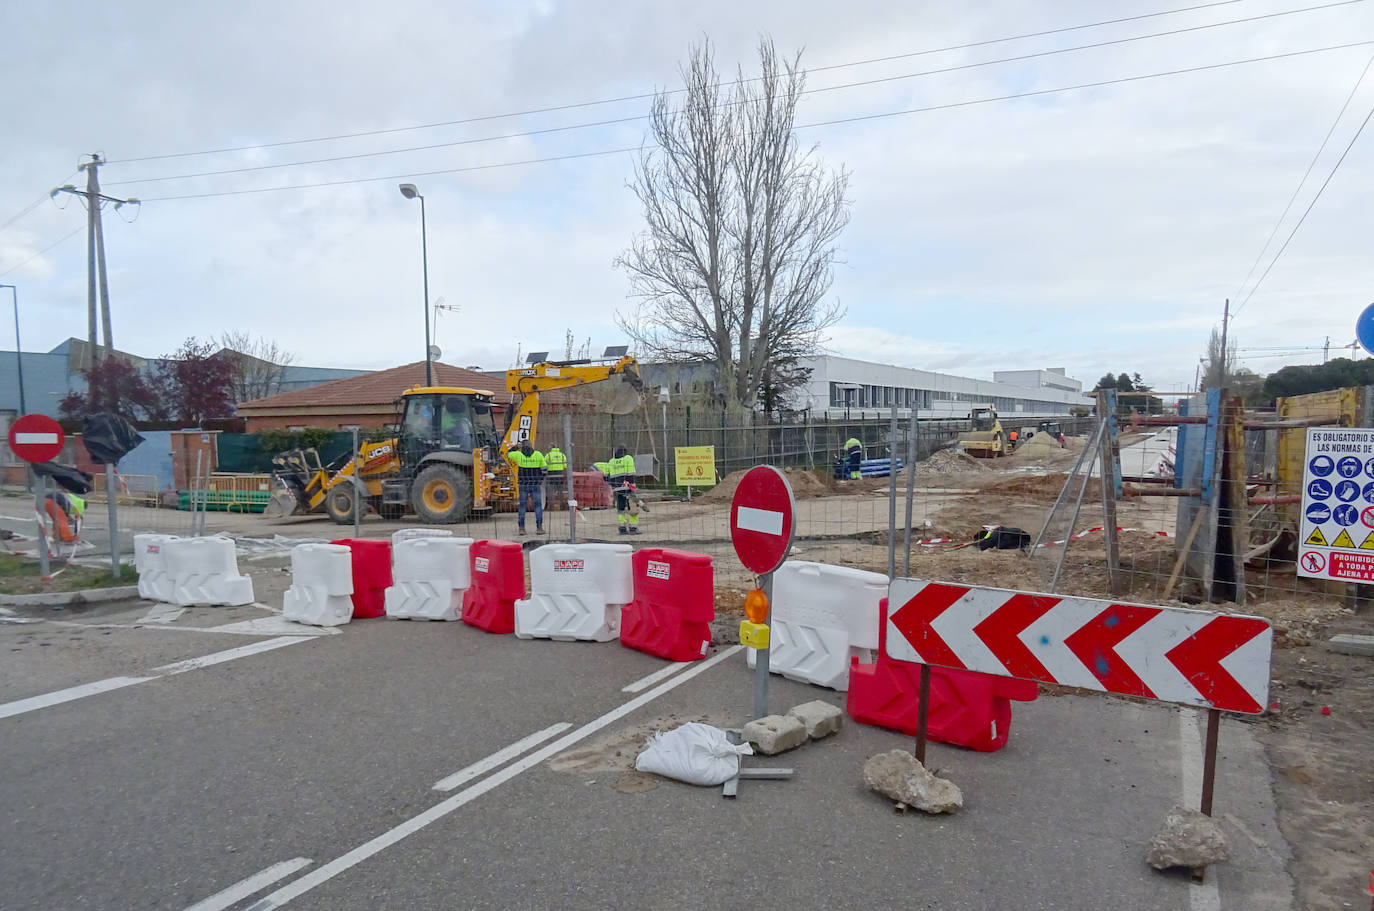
(1326, 348)
(96, 278)
(1225, 321)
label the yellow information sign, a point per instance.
(1343, 540)
(696, 465)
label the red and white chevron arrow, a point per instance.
(1165, 653)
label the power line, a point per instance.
(619, 120)
(1291, 234)
(646, 95)
(920, 110)
(1298, 189)
(77, 230)
(33, 205)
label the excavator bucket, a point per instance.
(622, 397)
(281, 504)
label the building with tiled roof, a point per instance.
(369, 401)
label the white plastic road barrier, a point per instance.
(154, 583)
(576, 592)
(205, 571)
(409, 534)
(321, 592)
(821, 616)
(430, 576)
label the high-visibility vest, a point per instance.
(533, 460)
(616, 468)
(556, 460)
(851, 444)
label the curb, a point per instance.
(66, 599)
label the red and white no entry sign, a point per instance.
(1170, 654)
(36, 438)
(761, 519)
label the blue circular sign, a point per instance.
(1364, 328)
(1369, 492)
(1345, 514)
(1320, 490)
(1349, 467)
(1318, 513)
(1322, 466)
(1347, 491)
(1369, 468)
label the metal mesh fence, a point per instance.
(1206, 508)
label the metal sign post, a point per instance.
(112, 510)
(568, 478)
(38, 438)
(761, 524)
(40, 487)
(358, 487)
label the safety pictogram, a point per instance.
(1316, 539)
(1337, 510)
(1343, 540)
(1313, 562)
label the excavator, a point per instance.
(447, 460)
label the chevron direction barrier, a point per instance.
(1215, 661)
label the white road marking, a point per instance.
(499, 758)
(162, 613)
(644, 683)
(367, 849)
(1201, 896)
(246, 887)
(33, 703)
(243, 651)
(765, 521)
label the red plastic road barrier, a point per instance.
(371, 575)
(966, 709)
(498, 581)
(674, 604)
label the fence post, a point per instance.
(357, 486)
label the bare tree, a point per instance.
(259, 364)
(738, 252)
(1218, 367)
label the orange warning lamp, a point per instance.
(756, 606)
(753, 630)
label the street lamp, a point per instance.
(409, 192)
(18, 348)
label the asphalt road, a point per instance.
(307, 768)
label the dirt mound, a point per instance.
(952, 461)
(1039, 487)
(805, 486)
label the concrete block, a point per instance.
(774, 734)
(1352, 644)
(820, 718)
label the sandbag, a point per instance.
(695, 753)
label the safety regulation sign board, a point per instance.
(1336, 539)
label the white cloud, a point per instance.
(1098, 230)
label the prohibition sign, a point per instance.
(1313, 562)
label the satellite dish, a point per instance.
(434, 352)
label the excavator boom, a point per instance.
(528, 382)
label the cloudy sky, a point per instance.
(1096, 229)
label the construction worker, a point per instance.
(455, 425)
(854, 451)
(65, 510)
(1013, 437)
(558, 463)
(530, 469)
(620, 471)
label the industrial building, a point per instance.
(839, 386)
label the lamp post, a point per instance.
(18, 348)
(409, 192)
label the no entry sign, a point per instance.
(1190, 657)
(36, 438)
(761, 519)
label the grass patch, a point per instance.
(19, 576)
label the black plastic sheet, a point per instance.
(108, 437)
